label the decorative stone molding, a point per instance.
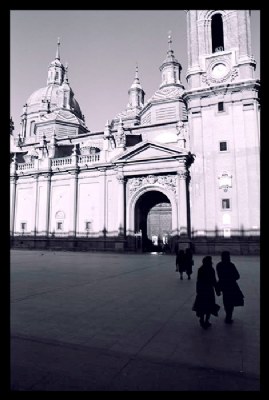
(167, 181)
(102, 170)
(182, 132)
(182, 174)
(60, 215)
(120, 137)
(31, 155)
(219, 69)
(89, 148)
(46, 175)
(74, 172)
(206, 15)
(121, 179)
(209, 79)
(13, 179)
(225, 181)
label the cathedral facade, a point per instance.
(179, 169)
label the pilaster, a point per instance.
(35, 203)
(73, 202)
(102, 201)
(13, 193)
(121, 204)
(46, 177)
(182, 202)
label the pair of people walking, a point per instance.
(184, 262)
(207, 286)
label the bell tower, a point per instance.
(223, 111)
(219, 47)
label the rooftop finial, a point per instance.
(136, 71)
(58, 49)
(169, 39)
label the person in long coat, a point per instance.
(231, 293)
(180, 263)
(206, 286)
(188, 262)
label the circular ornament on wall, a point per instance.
(219, 71)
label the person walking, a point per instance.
(188, 262)
(231, 293)
(180, 263)
(206, 286)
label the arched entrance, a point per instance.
(153, 218)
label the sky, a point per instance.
(102, 49)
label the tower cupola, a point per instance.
(170, 68)
(136, 93)
(56, 69)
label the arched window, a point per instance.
(59, 215)
(56, 75)
(217, 33)
(65, 100)
(32, 128)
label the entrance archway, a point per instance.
(153, 218)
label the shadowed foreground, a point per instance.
(114, 322)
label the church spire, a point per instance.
(170, 53)
(136, 72)
(56, 69)
(136, 83)
(58, 50)
(169, 40)
(136, 93)
(170, 68)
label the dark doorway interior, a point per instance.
(153, 218)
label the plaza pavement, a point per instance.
(84, 321)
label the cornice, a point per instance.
(214, 89)
(160, 101)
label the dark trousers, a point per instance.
(229, 311)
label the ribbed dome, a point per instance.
(51, 93)
(43, 94)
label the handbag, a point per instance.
(238, 296)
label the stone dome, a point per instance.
(50, 93)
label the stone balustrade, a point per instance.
(57, 163)
(88, 159)
(24, 166)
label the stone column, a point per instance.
(13, 187)
(121, 205)
(182, 202)
(73, 203)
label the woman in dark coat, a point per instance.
(180, 263)
(206, 286)
(228, 275)
(188, 262)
